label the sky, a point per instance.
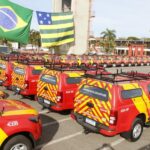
(126, 17)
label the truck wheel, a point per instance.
(18, 142)
(114, 65)
(122, 65)
(129, 64)
(135, 133)
(136, 64)
(105, 65)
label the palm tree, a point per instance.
(35, 38)
(109, 37)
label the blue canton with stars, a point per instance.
(44, 18)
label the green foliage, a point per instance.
(108, 41)
(35, 38)
(133, 38)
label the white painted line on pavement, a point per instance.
(44, 111)
(57, 121)
(59, 140)
(117, 142)
(63, 139)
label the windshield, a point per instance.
(20, 71)
(49, 79)
(95, 92)
(2, 66)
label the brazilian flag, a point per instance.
(15, 22)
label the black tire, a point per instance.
(104, 65)
(130, 135)
(18, 139)
(122, 65)
(129, 65)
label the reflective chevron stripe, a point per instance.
(21, 78)
(3, 136)
(51, 93)
(96, 112)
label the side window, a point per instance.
(36, 72)
(126, 94)
(74, 80)
(149, 88)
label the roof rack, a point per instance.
(11, 57)
(119, 77)
(71, 67)
(31, 62)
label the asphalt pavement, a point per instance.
(60, 132)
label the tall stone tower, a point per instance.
(82, 13)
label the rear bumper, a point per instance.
(52, 105)
(6, 83)
(25, 92)
(99, 128)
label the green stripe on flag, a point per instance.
(50, 40)
(47, 31)
(61, 14)
(62, 21)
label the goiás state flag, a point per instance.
(15, 22)
(55, 28)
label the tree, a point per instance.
(108, 42)
(132, 38)
(35, 38)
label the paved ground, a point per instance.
(60, 132)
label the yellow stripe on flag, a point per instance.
(58, 26)
(56, 35)
(58, 43)
(58, 18)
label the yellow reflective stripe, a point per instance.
(74, 74)
(81, 111)
(58, 18)
(59, 26)
(56, 35)
(20, 112)
(3, 136)
(58, 43)
(130, 86)
(38, 67)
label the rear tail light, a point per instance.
(59, 96)
(6, 76)
(113, 117)
(26, 84)
(73, 116)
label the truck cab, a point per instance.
(20, 125)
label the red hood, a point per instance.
(14, 107)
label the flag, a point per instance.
(15, 22)
(55, 28)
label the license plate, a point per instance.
(91, 122)
(46, 101)
(18, 89)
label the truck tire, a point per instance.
(136, 131)
(129, 65)
(18, 142)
